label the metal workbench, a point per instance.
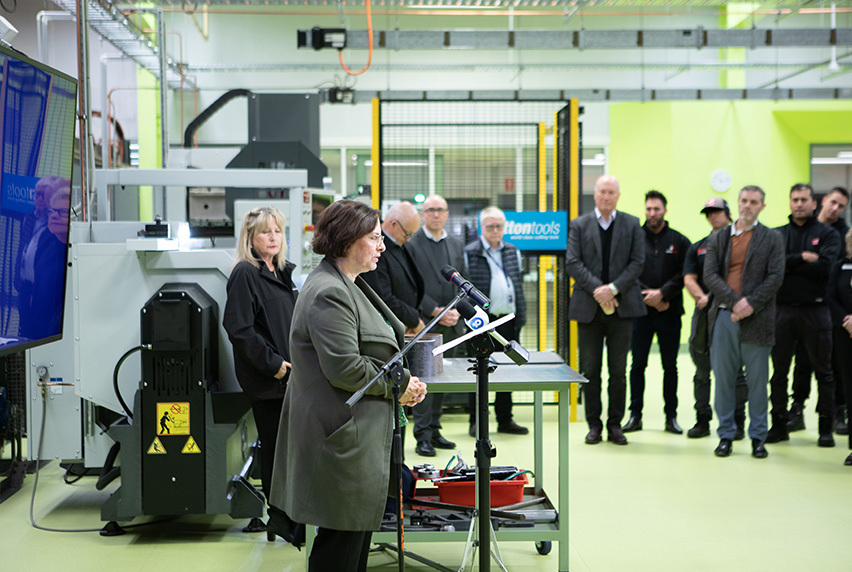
(545, 372)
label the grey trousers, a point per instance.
(727, 355)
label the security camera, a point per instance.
(7, 31)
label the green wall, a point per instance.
(675, 146)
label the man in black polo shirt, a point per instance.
(803, 315)
(718, 214)
(661, 282)
(833, 206)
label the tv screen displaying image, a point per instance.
(37, 114)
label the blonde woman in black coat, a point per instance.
(261, 297)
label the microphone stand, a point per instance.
(483, 346)
(394, 370)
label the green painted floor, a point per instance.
(662, 503)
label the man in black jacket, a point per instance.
(833, 206)
(396, 278)
(431, 249)
(803, 315)
(661, 282)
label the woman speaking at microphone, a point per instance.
(338, 460)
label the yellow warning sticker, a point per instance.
(156, 447)
(190, 447)
(172, 418)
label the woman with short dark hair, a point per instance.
(338, 460)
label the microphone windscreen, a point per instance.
(447, 272)
(465, 308)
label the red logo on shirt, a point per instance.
(702, 251)
(671, 249)
(815, 241)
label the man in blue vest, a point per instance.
(495, 269)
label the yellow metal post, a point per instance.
(574, 191)
(375, 153)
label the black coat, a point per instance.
(398, 282)
(257, 318)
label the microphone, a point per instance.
(477, 319)
(452, 275)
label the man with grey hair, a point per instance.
(431, 249)
(605, 256)
(495, 269)
(743, 269)
(396, 278)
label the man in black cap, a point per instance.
(718, 214)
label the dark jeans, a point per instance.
(616, 333)
(810, 326)
(701, 383)
(667, 329)
(340, 551)
(802, 371)
(266, 416)
(503, 399)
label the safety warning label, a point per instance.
(172, 418)
(156, 447)
(190, 447)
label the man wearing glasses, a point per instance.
(396, 278)
(495, 269)
(431, 249)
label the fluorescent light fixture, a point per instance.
(831, 160)
(593, 162)
(405, 163)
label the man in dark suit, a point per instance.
(743, 269)
(396, 279)
(431, 249)
(606, 254)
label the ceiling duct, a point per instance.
(111, 23)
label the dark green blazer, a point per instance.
(332, 464)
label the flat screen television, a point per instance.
(37, 114)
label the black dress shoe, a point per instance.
(472, 430)
(758, 451)
(724, 448)
(848, 461)
(425, 449)
(633, 424)
(673, 427)
(615, 435)
(796, 418)
(777, 433)
(512, 428)
(439, 442)
(740, 434)
(699, 430)
(593, 437)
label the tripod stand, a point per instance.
(482, 346)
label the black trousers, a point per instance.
(615, 332)
(267, 414)
(843, 349)
(802, 370)
(340, 551)
(810, 326)
(667, 328)
(503, 399)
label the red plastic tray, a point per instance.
(464, 493)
